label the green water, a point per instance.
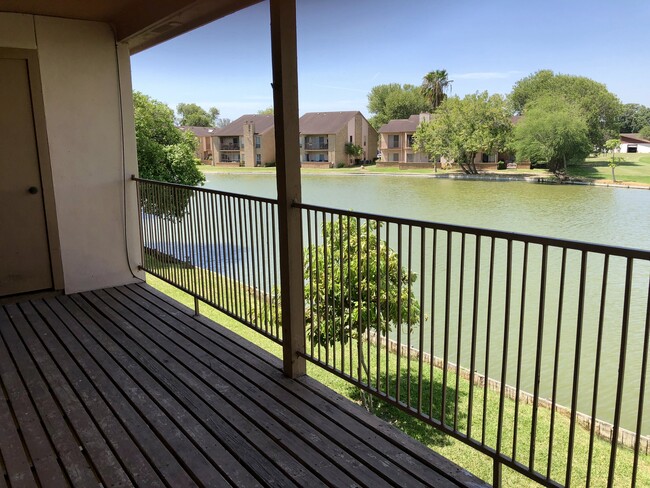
(610, 216)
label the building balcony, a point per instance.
(230, 147)
(124, 386)
(315, 146)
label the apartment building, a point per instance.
(323, 136)
(247, 141)
(396, 140)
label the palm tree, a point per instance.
(434, 87)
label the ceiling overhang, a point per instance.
(138, 23)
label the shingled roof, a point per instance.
(325, 122)
(199, 131)
(401, 125)
(262, 123)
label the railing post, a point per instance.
(285, 105)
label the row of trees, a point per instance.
(564, 118)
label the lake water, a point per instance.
(610, 216)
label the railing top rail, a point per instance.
(510, 236)
(207, 190)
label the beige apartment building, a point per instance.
(396, 140)
(247, 141)
(204, 135)
(323, 136)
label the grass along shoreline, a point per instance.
(632, 172)
(455, 450)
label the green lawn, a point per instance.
(455, 450)
(634, 168)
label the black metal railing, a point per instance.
(513, 344)
(219, 247)
(230, 146)
(531, 350)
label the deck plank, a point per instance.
(152, 396)
(423, 467)
(199, 450)
(202, 391)
(139, 427)
(257, 412)
(19, 471)
(106, 463)
(29, 395)
(131, 456)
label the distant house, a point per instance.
(634, 143)
(204, 135)
(323, 136)
(396, 140)
(247, 141)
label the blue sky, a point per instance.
(345, 47)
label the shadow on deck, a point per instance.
(123, 386)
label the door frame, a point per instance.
(44, 163)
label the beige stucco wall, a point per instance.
(268, 146)
(82, 96)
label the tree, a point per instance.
(395, 101)
(165, 153)
(365, 291)
(193, 115)
(354, 151)
(600, 108)
(222, 122)
(462, 128)
(612, 146)
(645, 132)
(554, 131)
(634, 117)
(434, 87)
(266, 111)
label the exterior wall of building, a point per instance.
(341, 138)
(267, 147)
(640, 147)
(86, 88)
(248, 141)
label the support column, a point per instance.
(285, 106)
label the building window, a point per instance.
(393, 141)
(395, 157)
(350, 139)
(409, 140)
(258, 160)
(409, 158)
(489, 158)
(258, 142)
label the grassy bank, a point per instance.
(455, 450)
(635, 168)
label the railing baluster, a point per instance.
(599, 343)
(434, 262)
(445, 354)
(504, 357)
(642, 388)
(576, 366)
(556, 361)
(472, 353)
(520, 347)
(459, 331)
(538, 357)
(422, 319)
(621, 371)
(488, 337)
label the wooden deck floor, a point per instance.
(123, 387)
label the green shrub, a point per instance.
(270, 164)
(340, 164)
(501, 165)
